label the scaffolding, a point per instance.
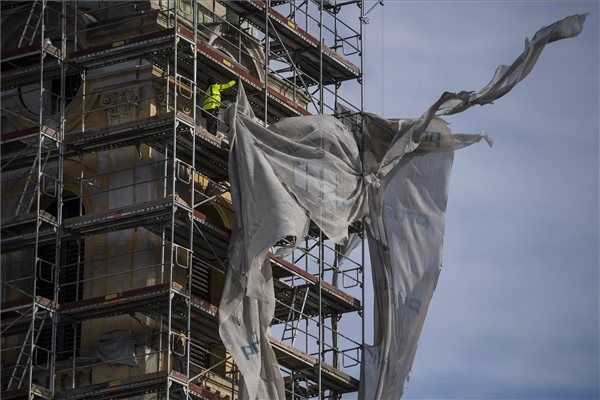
(115, 198)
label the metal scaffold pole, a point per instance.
(43, 183)
(361, 81)
(59, 185)
(321, 356)
(267, 61)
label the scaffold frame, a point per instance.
(306, 52)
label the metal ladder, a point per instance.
(27, 189)
(33, 23)
(23, 353)
(293, 318)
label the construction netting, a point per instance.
(393, 176)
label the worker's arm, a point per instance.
(225, 86)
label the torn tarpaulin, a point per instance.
(300, 169)
(507, 76)
(314, 168)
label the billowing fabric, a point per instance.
(506, 77)
(247, 306)
(394, 175)
(300, 169)
(405, 236)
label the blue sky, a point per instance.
(515, 314)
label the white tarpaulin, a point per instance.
(405, 250)
(278, 178)
(300, 169)
(507, 76)
(315, 168)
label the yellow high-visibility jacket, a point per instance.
(213, 95)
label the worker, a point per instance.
(212, 102)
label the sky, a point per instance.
(516, 310)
